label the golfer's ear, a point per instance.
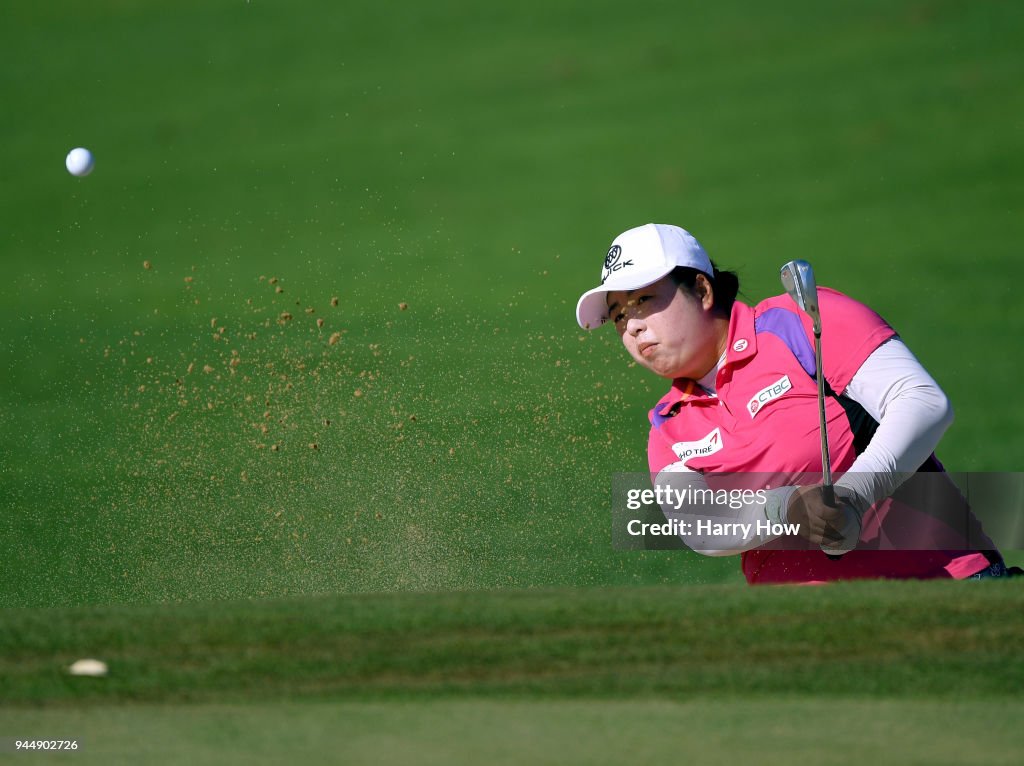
(704, 290)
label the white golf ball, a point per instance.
(88, 667)
(79, 162)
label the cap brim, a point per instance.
(592, 307)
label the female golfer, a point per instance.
(743, 402)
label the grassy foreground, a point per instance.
(935, 640)
(807, 728)
(895, 672)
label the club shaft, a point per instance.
(826, 463)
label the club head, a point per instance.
(798, 279)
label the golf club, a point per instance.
(798, 279)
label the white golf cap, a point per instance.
(637, 258)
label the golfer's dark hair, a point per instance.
(726, 284)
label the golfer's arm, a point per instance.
(740, 520)
(912, 414)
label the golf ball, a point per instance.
(88, 667)
(79, 162)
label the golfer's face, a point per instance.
(666, 329)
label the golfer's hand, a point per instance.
(834, 528)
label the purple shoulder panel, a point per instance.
(787, 327)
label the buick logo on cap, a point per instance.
(613, 262)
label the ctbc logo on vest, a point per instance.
(613, 262)
(765, 395)
(709, 445)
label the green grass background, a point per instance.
(472, 163)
